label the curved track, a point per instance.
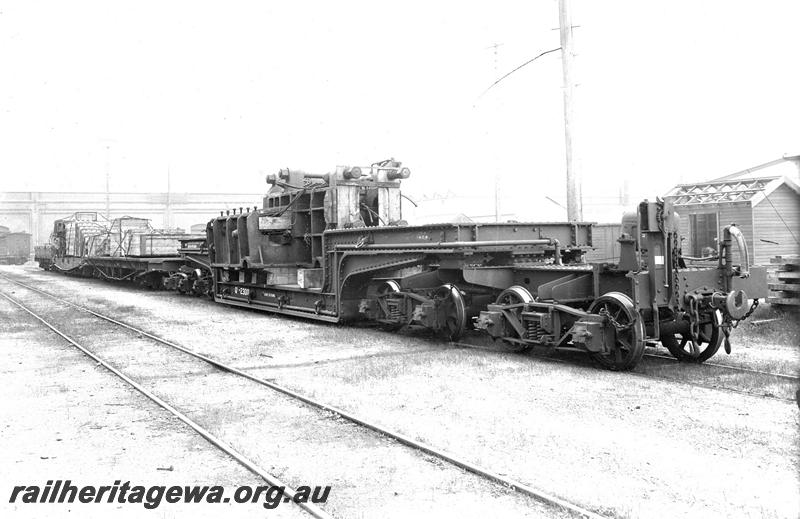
(398, 436)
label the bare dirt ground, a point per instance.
(626, 446)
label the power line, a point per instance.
(516, 69)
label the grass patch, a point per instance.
(771, 324)
(767, 341)
(719, 377)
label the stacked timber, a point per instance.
(784, 289)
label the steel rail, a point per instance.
(220, 444)
(649, 376)
(711, 386)
(725, 366)
(451, 458)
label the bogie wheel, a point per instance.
(388, 287)
(708, 342)
(629, 335)
(514, 295)
(451, 311)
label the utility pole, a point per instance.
(574, 199)
(108, 185)
(494, 47)
(168, 208)
(107, 145)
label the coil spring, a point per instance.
(534, 331)
(394, 307)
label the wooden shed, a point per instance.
(763, 201)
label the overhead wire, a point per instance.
(516, 69)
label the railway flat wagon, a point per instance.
(334, 247)
(15, 247)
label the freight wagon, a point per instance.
(15, 247)
(87, 244)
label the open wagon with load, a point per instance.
(123, 249)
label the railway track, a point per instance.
(727, 367)
(657, 357)
(581, 360)
(250, 465)
(401, 438)
(714, 387)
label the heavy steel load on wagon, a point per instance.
(335, 247)
(15, 247)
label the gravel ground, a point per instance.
(628, 446)
(371, 475)
(63, 417)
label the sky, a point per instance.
(220, 94)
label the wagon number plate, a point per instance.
(241, 291)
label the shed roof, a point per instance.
(749, 172)
(737, 187)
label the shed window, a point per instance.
(703, 228)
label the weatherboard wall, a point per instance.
(727, 213)
(777, 225)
